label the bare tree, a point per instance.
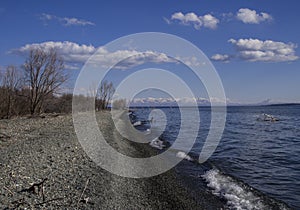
(119, 103)
(11, 83)
(44, 76)
(104, 95)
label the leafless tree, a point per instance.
(104, 95)
(44, 75)
(119, 103)
(65, 103)
(10, 84)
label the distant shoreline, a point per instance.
(207, 106)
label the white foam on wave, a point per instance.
(183, 155)
(156, 143)
(237, 196)
(147, 132)
(137, 123)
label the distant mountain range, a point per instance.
(169, 102)
(270, 102)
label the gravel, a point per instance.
(42, 166)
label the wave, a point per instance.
(137, 123)
(183, 155)
(157, 143)
(237, 194)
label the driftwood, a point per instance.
(36, 188)
(80, 198)
(10, 192)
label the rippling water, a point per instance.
(251, 154)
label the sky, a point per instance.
(253, 45)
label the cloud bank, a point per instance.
(75, 55)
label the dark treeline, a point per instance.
(35, 87)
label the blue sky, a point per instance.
(252, 44)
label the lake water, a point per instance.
(256, 164)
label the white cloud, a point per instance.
(210, 21)
(67, 21)
(72, 66)
(75, 54)
(191, 61)
(45, 16)
(167, 20)
(130, 58)
(252, 17)
(70, 51)
(268, 51)
(207, 21)
(75, 21)
(220, 57)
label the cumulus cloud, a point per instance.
(70, 51)
(67, 21)
(75, 55)
(252, 17)
(131, 58)
(267, 51)
(245, 15)
(220, 57)
(207, 21)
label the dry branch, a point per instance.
(87, 181)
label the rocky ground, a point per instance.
(42, 166)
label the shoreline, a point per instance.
(47, 150)
(212, 178)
